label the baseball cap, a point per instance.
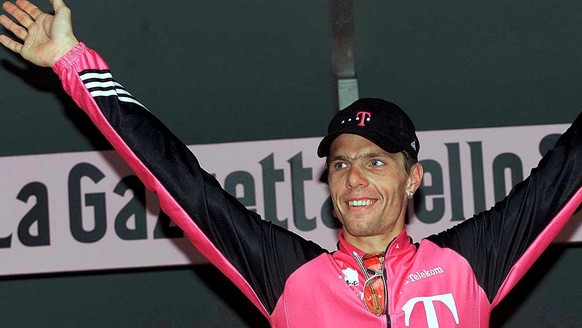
(377, 120)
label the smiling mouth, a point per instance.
(360, 203)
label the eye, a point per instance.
(377, 162)
(339, 165)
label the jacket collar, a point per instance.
(394, 248)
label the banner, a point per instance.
(87, 211)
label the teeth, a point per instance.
(359, 203)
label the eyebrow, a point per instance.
(366, 155)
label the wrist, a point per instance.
(63, 50)
(69, 59)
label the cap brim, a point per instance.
(325, 144)
(327, 141)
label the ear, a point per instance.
(415, 177)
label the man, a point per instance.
(377, 277)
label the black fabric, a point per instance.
(496, 239)
(263, 253)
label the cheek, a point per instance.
(333, 185)
(332, 190)
(334, 204)
(334, 212)
(396, 191)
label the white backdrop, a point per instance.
(40, 194)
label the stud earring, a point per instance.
(410, 194)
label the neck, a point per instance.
(372, 244)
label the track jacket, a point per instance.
(452, 279)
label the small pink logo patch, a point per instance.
(363, 117)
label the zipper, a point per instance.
(388, 321)
(364, 271)
(366, 276)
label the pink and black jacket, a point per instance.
(452, 279)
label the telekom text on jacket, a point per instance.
(73, 206)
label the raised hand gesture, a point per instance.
(44, 38)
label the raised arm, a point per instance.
(502, 243)
(256, 255)
(43, 38)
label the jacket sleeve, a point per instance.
(502, 243)
(256, 255)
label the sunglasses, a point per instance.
(372, 265)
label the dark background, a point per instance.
(227, 71)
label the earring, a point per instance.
(410, 194)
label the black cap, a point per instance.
(377, 120)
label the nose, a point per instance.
(356, 178)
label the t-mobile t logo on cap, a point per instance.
(363, 117)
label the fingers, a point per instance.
(19, 30)
(20, 15)
(58, 5)
(25, 13)
(10, 44)
(29, 8)
(16, 29)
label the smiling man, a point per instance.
(370, 185)
(378, 277)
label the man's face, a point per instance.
(368, 187)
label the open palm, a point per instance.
(44, 37)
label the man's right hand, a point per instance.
(44, 38)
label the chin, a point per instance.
(360, 231)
